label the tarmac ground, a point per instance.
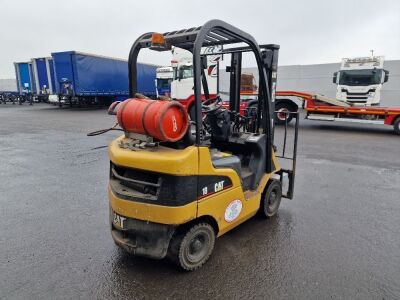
(338, 238)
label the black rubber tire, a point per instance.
(286, 107)
(396, 126)
(200, 235)
(271, 199)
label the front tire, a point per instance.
(191, 249)
(272, 199)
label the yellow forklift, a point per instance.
(172, 199)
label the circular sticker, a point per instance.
(233, 210)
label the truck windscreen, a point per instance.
(163, 83)
(360, 77)
(187, 72)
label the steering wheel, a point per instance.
(211, 105)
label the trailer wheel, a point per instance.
(272, 199)
(283, 113)
(396, 125)
(191, 249)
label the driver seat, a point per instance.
(225, 160)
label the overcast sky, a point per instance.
(309, 31)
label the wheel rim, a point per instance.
(282, 114)
(197, 248)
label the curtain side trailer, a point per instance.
(85, 79)
(25, 77)
(43, 70)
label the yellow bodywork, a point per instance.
(192, 160)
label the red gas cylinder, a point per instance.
(163, 120)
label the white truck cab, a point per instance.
(182, 84)
(360, 80)
(164, 77)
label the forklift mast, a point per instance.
(266, 107)
(235, 75)
(269, 54)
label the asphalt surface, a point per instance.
(339, 237)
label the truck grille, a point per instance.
(357, 98)
(357, 94)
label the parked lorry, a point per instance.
(26, 81)
(182, 83)
(164, 77)
(359, 84)
(176, 81)
(86, 79)
(43, 71)
(360, 80)
(25, 77)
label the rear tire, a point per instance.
(396, 125)
(191, 249)
(272, 199)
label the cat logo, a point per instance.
(219, 186)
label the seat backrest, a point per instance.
(232, 162)
(257, 160)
